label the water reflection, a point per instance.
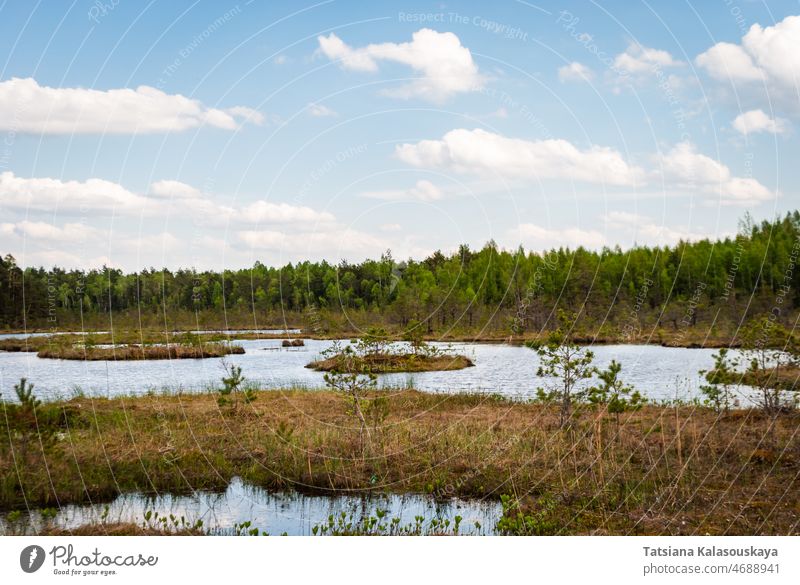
(659, 373)
(274, 512)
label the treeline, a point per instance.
(469, 290)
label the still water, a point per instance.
(197, 331)
(660, 373)
(271, 512)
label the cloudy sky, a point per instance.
(214, 134)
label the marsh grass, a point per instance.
(385, 363)
(139, 352)
(381, 524)
(659, 470)
(784, 378)
(154, 523)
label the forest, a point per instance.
(702, 284)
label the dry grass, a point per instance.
(662, 470)
(784, 378)
(385, 363)
(123, 338)
(115, 529)
(139, 352)
(685, 337)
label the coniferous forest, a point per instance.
(717, 284)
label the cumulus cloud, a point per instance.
(26, 106)
(332, 243)
(643, 229)
(101, 197)
(444, 66)
(246, 114)
(85, 197)
(479, 151)
(620, 227)
(574, 72)
(174, 190)
(776, 49)
(638, 59)
(686, 168)
(40, 230)
(536, 237)
(493, 155)
(294, 230)
(63, 259)
(756, 121)
(320, 111)
(266, 212)
(771, 54)
(391, 227)
(728, 61)
(423, 190)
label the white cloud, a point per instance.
(165, 197)
(334, 243)
(184, 208)
(58, 257)
(445, 66)
(684, 164)
(756, 121)
(320, 111)
(769, 53)
(776, 49)
(335, 48)
(728, 61)
(40, 230)
(280, 60)
(423, 190)
(246, 114)
(84, 197)
(479, 151)
(535, 237)
(643, 229)
(575, 72)
(638, 59)
(623, 227)
(624, 218)
(26, 106)
(391, 227)
(267, 212)
(493, 155)
(174, 190)
(686, 168)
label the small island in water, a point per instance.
(122, 346)
(140, 352)
(385, 363)
(376, 353)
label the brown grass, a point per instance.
(661, 470)
(384, 363)
(140, 352)
(699, 336)
(784, 378)
(115, 529)
(121, 338)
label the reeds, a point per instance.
(384, 363)
(659, 470)
(139, 352)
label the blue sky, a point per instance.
(214, 134)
